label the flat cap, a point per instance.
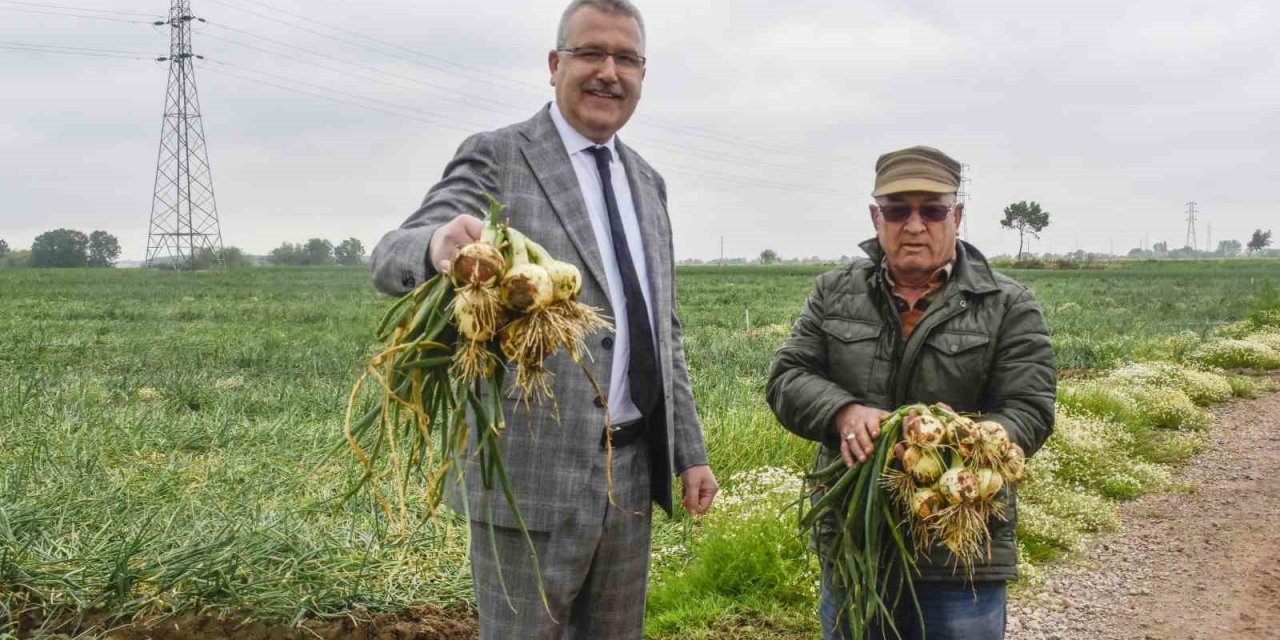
(916, 169)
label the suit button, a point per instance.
(599, 402)
(607, 343)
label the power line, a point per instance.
(395, 110)
(457, 65)
(84, 9)
(72, 15)
(506, 108)
(510, 83)
(87, 53)
(55, 46)
(387, 107)
(349, 42)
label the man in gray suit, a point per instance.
(572, 186)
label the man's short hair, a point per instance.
(622, 7)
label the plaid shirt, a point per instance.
(909, 313)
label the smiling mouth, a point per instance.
(603, 95)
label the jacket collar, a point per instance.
(972, 272)
(544, 150)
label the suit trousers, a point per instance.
(595, 564)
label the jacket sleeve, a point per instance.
(1022, 385)
(400, 260)
(690, 449)
(799, 390)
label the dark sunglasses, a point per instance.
(899, 212)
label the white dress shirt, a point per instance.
(621, 409)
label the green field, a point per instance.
(165, 438)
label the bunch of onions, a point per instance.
(977, 460)
(447, 346)
(942, 488)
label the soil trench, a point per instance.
(1194, 565)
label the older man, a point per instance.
(577, 190)
(924, 320)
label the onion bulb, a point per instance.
(527, 287)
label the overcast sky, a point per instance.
(765, 117)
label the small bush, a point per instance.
(1203, 387)
(1098, 455)
(1242, 386)
(1169, 409)
(1090, 351)
(1269, 337)
(1134, 404)
(1236, 354)
(1180, 343)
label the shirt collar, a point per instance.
(575, 142)
(939, 277)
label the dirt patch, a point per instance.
(1203, 564)
(420, 623)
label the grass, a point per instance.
(166, 437)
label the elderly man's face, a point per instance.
(597, 98)
(917, 230)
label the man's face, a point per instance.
(597, 98)
(913, 243)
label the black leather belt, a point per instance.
(626, 433)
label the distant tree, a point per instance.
(104, 249)
(286, 254)
(4, 249)
(229, 257)
(16, 259)
(1137, 252)
(1160, 248)
(234, 257)
(60, 248)
(1260, 240)
(317, 252)
(768, 256)
(349, 252)
(1229, 248)
(1027, 218)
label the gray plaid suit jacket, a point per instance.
(527, 168)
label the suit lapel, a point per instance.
(550, 164)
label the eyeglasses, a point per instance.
(899, 212)
(593, 56)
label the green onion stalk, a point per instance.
(447, 346)
(870, 555)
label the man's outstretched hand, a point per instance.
(452, 237)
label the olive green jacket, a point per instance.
(982, 346)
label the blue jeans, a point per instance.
(952, 611)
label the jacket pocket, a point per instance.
(953, 368)
(851, 354)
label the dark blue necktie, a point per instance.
(642, 370)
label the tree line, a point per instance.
(69, 248)
(318, 251)
(64, 248)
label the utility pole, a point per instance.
(1208, 243)
(184, 213)
(962, 195)
(1191, 225)
(722, 251)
